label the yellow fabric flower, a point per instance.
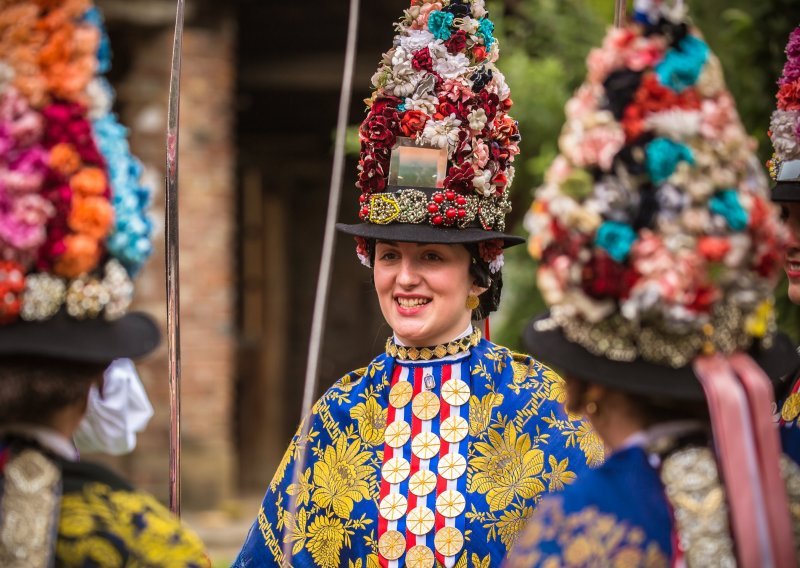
(341, 477)
(371, 421)
(507, 467)
(325, 539)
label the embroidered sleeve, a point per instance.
(584, 538)
(103, 527)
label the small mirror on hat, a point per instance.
(418, 166)
(789, 171)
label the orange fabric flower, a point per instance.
(89, 181)
(413, 121)
(65, 159)
(82, 255)
(714, 249)
(91, 216)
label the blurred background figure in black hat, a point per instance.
(438, 451)
(74, 230)
(659, 252)
(784, 168)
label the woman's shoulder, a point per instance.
(106, 522)
(526, 372)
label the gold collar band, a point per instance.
(427, 353)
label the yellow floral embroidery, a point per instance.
(586, 538)
(371, 420)
(326, 537)
(558, 474)
(480, 412)
(100, 526)
(341, 477)
(506, 468)
(302, 488)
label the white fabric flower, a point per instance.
(451, 66)
(497, 263)
(782, 129)
(478, 8)
(676, 124)
(414, 40)
(426, 104)
(442, 133)
(483, 183)
(100, 98)
(403, 80)
(477, 119)
(498, 85)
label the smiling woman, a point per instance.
(439, 450)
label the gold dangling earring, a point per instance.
(473, 302)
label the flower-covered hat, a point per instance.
(73, 214)
(437, 144)
(654, 231)
(784, 167)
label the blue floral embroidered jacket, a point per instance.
(452, 475)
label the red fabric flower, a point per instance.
(713, 249)
(12, 285)
(489, 103)
(479, 53)
(457, 42)
(381, 103)
(603, 277)
(459, 178)
(413, 121)
(652, 97)
(422, 60)
(381, 128)
(789, 96)
(445, 109)
(704, 299)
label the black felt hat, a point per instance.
(548, 343)
(87, 341)
(437, 143)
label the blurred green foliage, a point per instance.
(544, 44)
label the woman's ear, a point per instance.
(476, 290)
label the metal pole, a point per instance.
(325, 269)
(172, 272)
(620, 8)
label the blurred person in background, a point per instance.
(74, 230)
(659, 254)
(438, 451)
(785, 171)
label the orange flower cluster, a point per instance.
(50, 53)
(90, 219)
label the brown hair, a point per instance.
(32, 388)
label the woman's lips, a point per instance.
(792, 267)
(410, 305)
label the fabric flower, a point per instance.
(440, 23)
(362, 251)
(783, 133)
(442, 133)
(663, 156)
(485, 31)
(726, 203)
(682, 64)
(616, 238)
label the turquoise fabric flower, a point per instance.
(663, 156)
(130, 240)
(681, 66)
(95, 18)
(439, 24)
(485, 30)
(726, 203)
(616, 238)
(401, 107)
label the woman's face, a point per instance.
(792, 261)
(423, 289)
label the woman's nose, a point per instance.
(409, 273)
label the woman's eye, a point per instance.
(388, 256)
(432, 256)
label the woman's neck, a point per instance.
(464, 333)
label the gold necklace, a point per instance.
(427, 353)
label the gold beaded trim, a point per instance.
(619, 339)
(427, 353)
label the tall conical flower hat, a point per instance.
(654, 232)
(785, 127)
(438, 144)
(74, 227)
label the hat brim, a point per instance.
(641, 377)
(410, 233)
(786, 191)
(88, 341)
